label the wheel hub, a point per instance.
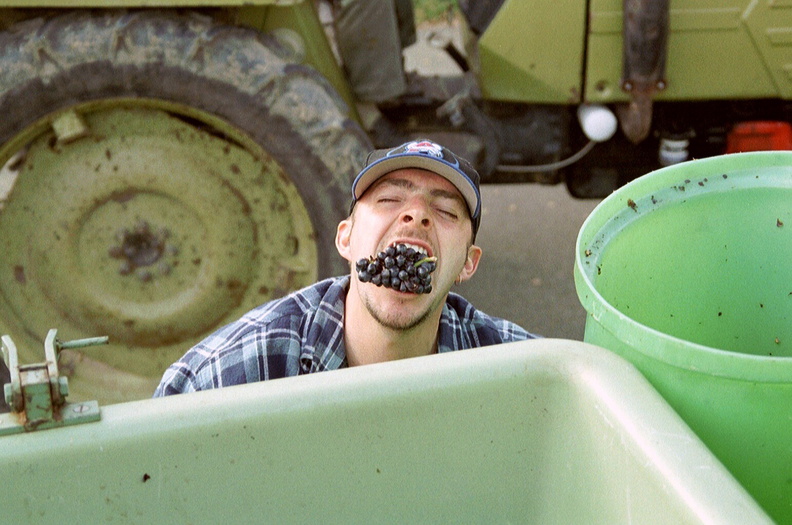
(151, 231)
(139, 248)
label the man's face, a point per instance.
(416, 207)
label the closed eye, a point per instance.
(448, 213)
(387, 199)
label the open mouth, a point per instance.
(414, 247)
(404, 267)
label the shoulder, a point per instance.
(299, 303)
(287, 313)
(263, 344)
(475, 328)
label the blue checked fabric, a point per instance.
(303, 333)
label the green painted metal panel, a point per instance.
(733, 49)
(770, 25)
(533, 52)
(546, 431)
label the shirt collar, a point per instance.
(450, 336)
(329, 339)
(324, 347)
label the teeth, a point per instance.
(420, 249)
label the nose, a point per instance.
(416, 213)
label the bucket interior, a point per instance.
(706, 259)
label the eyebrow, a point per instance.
(437, 192)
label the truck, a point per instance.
(170, 164)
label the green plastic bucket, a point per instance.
(687, 273)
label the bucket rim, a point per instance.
(651, 342)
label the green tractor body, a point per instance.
(169, 165)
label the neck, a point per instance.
(368, 341)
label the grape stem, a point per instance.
(424, 260)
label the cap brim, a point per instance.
(382, 167)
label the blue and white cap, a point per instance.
(426, 155)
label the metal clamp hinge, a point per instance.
(37, 393)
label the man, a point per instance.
(420, 195)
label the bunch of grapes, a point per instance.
(399, 267)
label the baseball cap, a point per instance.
(426, 155)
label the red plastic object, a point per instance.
(759, 136)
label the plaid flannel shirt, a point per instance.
(303, 333)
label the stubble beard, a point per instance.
(399, 321)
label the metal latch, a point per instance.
(37, 393)
(645, 29)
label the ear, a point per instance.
(471, 263)
(343, 233)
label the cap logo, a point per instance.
(425, 147)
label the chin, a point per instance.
(401, 311)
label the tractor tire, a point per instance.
(165, 174)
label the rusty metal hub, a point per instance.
(140, 248)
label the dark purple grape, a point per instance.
(399, 267)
